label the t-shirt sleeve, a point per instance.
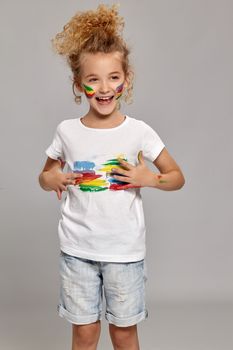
(152, 144)
(55, 150)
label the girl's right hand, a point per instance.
(58, 180)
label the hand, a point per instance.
(58, 181)
(137, 176)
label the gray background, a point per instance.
(182, 54)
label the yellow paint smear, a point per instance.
(95, 183)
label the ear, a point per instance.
(127, 78)
(78, 85)
(126, 83)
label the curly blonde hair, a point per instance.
(93, 32)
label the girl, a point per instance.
(102, 228)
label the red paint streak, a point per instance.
(120, 88)
(117, 187)
(87, 177)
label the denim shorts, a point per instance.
(83, 281)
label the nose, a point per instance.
(104, 88)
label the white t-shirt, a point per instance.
(100, 220)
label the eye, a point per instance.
(115, 77)
(93, 79)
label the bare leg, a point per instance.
(124, 338)
(86, 337)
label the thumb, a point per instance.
(140, 157)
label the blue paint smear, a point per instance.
(84, 165)
(115, 181)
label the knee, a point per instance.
(86, 335)
(121, 336)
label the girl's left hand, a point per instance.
(137, 176)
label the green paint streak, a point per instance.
(113, 162)
(87, 188)
(162, 181)
(88, 88)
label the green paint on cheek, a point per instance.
(89, 91)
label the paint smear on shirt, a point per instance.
(101, 180)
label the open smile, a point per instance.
(104, 100)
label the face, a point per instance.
(102, 80)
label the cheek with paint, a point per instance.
(119, 91)
(89, 92)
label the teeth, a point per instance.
(104, 98)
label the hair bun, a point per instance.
(104, 21)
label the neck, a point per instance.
(97, 120)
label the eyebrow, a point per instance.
(91, 75)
